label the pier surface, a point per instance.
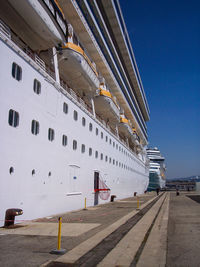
(163, 231)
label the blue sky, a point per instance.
(165, 36)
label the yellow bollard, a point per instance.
(85, 202)
(59, 232)
(138, 203)
(59, 250)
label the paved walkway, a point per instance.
(114, 234)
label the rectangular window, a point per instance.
(90, 151)
(101, 156)
(35, 127)
(75, 115)
(64, 140)
(37, 87)
(97, 131)
(96, 154)
(51, 134)
(101, 135)
(83, 121)
(74, 144)
(16, 71)
(83, 148)
(13, 118)
(65, 108)
(90, 126)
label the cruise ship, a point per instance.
(157, 169)
(73, 107)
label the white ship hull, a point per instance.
(43, 177)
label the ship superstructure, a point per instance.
(73, 108)
(157, 169)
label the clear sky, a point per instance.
(165, 36)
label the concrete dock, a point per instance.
(163, 231)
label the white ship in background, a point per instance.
(157, 169)
(73, 108)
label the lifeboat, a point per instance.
(124, 127)
(45, 18)
(79, 71)
(106, 105)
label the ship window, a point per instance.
(65, 108)
(83, 121)
(11, 170)
(110, 141)
(97, 131)
(37, 87)
(90, 126)
(90, 151)
(101, 135)
(101, 156)
(33, 172)
(113, 162)
(116, 146)
(113, 144)
(96, 154)
(64, 140)
(119, 148)
(119, 164)
(75, 115)
(51, 134)
(106, 158)
(13, 118)
(16, 71)
(74, 144)
(106, 138)
(116, 163)
(49, 174)
(35, 127)
(109, 160)
(83, 148)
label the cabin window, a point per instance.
(101, 156)
(106, 158)
(64, 140)
(33, 172)
(106, 138)
(35, 127)
(13, 118)
(83, 121)
(113, 144)
(109, 160)
(113, 162)
(101, 135)
(16, 71)
(96, 154)
(74, 144)
(83, 148)
(97, 131)
(65, 108)
(90, 151)
(119, 148)
(119, 164)
(110, 141)
(90, 126)
(11, 170)
(116, 146)
(116, 163)
(37, 87)
(75, 115)
(51, 134)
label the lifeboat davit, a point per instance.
(106, 105)
(79, 71)
(124, 127)
(44, 17)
